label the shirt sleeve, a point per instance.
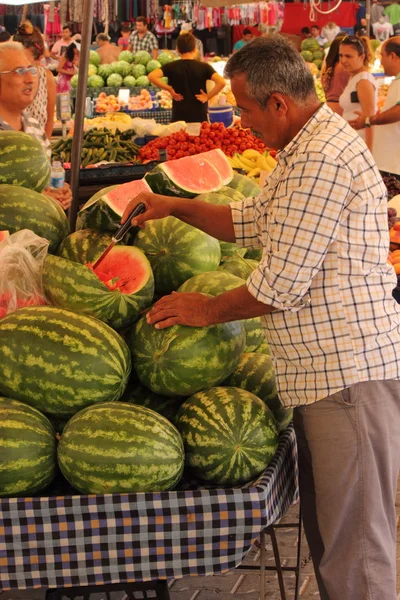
(153, 42)
(209, 70)
(245, 224)
(299, 231)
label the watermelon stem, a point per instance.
(164, 349)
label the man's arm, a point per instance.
(392, 115)
(155, 79)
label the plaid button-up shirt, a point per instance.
(148, 42)
(321, 220)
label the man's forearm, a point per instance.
(235, 305)
(213, 219)
(392, 115)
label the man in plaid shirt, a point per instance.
(142, 39)
(324, 292)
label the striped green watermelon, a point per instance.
(23, 161)
(180, 360)
(104, 212)
(121, 448)
(233, 194)
(253, 254)
(263, 348)
(74, 286)
(21, 208)
(28, 449)
(59, 361)
(84, 246)
(239, 266)
(217, 282)
(167, 406)
(192, 175)
(244, 185)
(177, 251)
(228, 249)
(224, 195)
(229, 435)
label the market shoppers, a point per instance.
(67, 68)
(386, 147)
(316, 33)
(333, 76)
(324, 292)
(42, 107)
(361, 93)
(61, 45)
(142, 39)
(247, 37)
(18, 83)
(188, 28)
(187, 79)
(108, 52)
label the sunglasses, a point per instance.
(21, 71)
(354, 41)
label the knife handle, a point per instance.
(139, 208)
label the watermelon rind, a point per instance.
(116, 447)
(21, 208)
(28, 449)
(177, 252)
(180, 360)
(167, 406)
(84, 246)
(253, 254)
(23, 161)
(239, 266)
(244, 185)
(229, 249)
(230, 436)
(59, 362)
(71, 285)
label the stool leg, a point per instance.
(275, 548)
(298, 565)
(262, 565)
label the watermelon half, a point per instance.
(104, 212)
(192, 175)
(4, 235)
(116, 293)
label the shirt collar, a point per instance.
(318, 117)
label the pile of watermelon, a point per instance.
(133, 408)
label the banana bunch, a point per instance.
(253, 162)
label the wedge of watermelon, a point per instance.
(104, 212)
(4, 235)
(192, 175)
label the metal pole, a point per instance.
(368, 16)
(88, 8)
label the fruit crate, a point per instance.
(111, 174)
(94, 92)
(66, 540)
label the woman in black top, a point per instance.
(187, 80)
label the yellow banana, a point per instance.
(235, 163)
(246, 161)
(254, 172)
(271, 162)
(251, 154)
(262, 163)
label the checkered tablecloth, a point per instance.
(92, 540)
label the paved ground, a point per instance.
(240, 585)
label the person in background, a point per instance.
(247, 37)
(333, 76)
(108, 52)
(386, 148)
(18, 84)
(330, 31)
(188, 28)
(360, 93)
(142, 39)
(67, 68)
(382, 30)
(324, 293)
(306, 32)
(42, 107)
(361, 29)
(393, 12)
(376, 11)
(4, 36)
(62, 44)
(123, 41)
(316, 33)
(187, 79)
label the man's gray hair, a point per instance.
(102, 37)
(7, 47)
(272, 64)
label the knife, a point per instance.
(139, 208)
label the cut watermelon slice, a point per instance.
(105, 212)
(220, 162)
(4, 235)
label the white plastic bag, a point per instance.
(22, 256)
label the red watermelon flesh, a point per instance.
(220, 162)
(4, 235)
(122, 270)
(119, 198)
(193, 173)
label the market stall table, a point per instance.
(71, 540)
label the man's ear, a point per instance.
(277, 103)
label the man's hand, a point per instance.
(177, 97)
(192, 309)
(157, 207)
(358, 123)
(202, 97)
(63, 196)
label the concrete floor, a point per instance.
(239, 585)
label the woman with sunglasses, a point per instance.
(360, 94)
(42, 107)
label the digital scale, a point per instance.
(63, 110)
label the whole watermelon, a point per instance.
(92, 70)
(126, 56)
(129, 81)
(124, 68)
(120, 448)
(182, 360)
(167, 406)
(24, 161)
(142, 57)
(59, 362)
(228, 250)
(138, 70)
(95, 81)
(114, 80)
(143, 81)
(229, 435)
(177, 251)
(28, 449)
(94, 58)
(84, 246)
(244, 185)
(21, 208)
(164, 58)
(74, 80)
(105, 71)
(152, 65)
(239, 266)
